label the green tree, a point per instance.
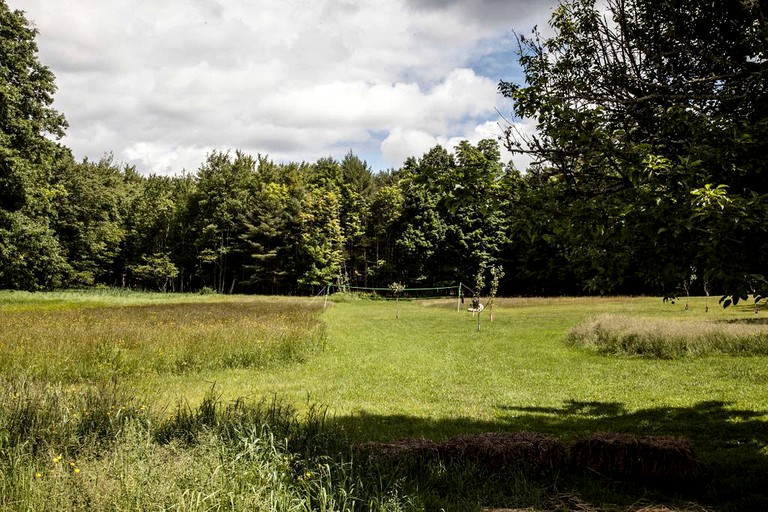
(321, 243)
(90, 214)
(30, 255)
(385, 212)
(356, 190)
(452, 206)
(637, 108)
(161, 223)
(225, 191)
(155, 272)
(423, 227)
(26, 115)
(273, 235)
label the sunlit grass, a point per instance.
(13, 300)
(430, 372)
(93, 343)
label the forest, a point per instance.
(648, 176)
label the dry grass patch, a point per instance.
(668, 339)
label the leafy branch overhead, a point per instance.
(649, 114)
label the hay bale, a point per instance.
(409, 448)
(532, 452)
(647, 457)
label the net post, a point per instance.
(327, 291)
(458, 300)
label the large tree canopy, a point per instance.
(30, 255)
(652, 139)
(26, 116)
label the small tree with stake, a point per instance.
(479, 285)
(397, 290)
(496, 274)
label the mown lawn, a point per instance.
(430, 369)
(429, 373)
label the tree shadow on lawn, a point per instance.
(731, 444)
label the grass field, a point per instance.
(427, 374)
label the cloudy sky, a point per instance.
(162, 83)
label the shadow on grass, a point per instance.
(732, 445)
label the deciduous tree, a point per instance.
(637, 106)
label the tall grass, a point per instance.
(16, 300)
(669, 339)
(94, 343)
(98, 450)
(74, 435)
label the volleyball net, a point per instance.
(397, 292)
(404, 293)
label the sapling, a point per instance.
(687, 283)
(496, 274)
(397, 289)
(479, 284)
(706, 295)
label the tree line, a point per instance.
(648, 176)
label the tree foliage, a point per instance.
(638, 108)
(26, 115)
(647, 177)
(30, 256)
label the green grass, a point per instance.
(12, 300)
(431, 367)
(431, 374)
(91, 343)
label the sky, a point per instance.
(161, 84)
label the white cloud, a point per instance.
(160, 84)
(401, 144)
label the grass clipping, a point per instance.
(669, 339)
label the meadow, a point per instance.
(126, 401)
